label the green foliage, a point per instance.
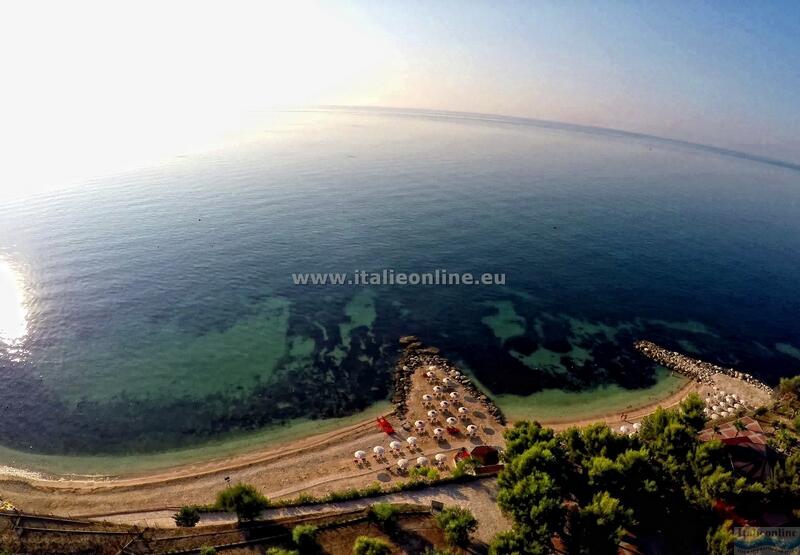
(384, 514)
(600, 525)
(426, 473)
(207, 550)
(187, 517)
(464, 467)
(370, 546)
(796, 423)
(790, 387)
(304, 537)
(457, 523)
(243, 499)
(662, 481)
(281, 551)
(720, 540)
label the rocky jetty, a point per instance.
(414, 356)
(695, 369)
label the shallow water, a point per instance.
(159, 309)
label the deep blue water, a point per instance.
(161, 310)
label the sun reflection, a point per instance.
(13, 317)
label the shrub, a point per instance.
(281, 551)
(304, 537)
(187, 517)
(370, 546)
(426, 473)
(384, 514)
(243, 499)
(207, 550)
(796, 424)
(457, 524)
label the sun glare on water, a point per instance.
(13, 317)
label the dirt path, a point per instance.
(479, 496)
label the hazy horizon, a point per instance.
(98, 88)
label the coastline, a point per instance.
(252, 448)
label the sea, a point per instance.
(157, 309)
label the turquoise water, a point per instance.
(160, 310)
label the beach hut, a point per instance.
(379, 451)
(440, 458)
(438, 433)
(411, 440)
(422, 461)
(360, 455)
(472, 429)
(454, 395)
(402, 464)
(395, 445)
(432, 414)
(419, 425)
(624, 429)
(444, 404)
(451, 421)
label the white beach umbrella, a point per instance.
(419, 424)
(431, 367)
(411, 440)
(456, 375)
(714, 416)
(734, 395)
(427, 398)
(378, 450)
(472, 428)
(395, 445)
(429, 374)
(437, 389)
(440, 457)
(737, 406)
(624, 429)
(444, 404)
(360, 455)
(422, 461)
(462, 410)
(451, 420)
(432, 414)
(402, 464)
(447, 381)
(637, 426)
(437, 432)
(454, 395)
(723, 414)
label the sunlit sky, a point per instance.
(91, 88)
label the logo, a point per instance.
(782, 540)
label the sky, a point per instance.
(91, 88)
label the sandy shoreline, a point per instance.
(316, 465)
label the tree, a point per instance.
(600, 525)
(304, 537)
(383, 514)
(370, 546)
(243, 499)
(720, 540)
(457, 523)
(790, 387)
(187, 517)
(281, 551)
